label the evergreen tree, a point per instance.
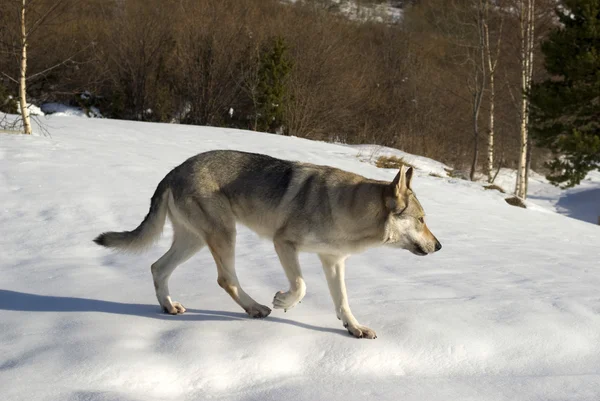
(8, 104)
(566, 108)
(274, 69)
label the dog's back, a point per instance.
(273, 196)
(300, 206)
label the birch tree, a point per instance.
(31, 16)
(466, 25)
(526, 35)
(492, 53)
(483, 64)
(462, 23)
(22, 74)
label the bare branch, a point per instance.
(10, 78)
(30, 77)
(43, 17)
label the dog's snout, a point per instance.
(438, 246)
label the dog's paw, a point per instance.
(359, 331)
(258, 311)
(286, 300)
(175, 308)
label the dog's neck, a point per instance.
(369, 212)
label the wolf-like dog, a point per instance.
(299, 206)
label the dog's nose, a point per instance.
(438, 246)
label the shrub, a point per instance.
(391, 162)
(8, 104)
(515, 201)
(496, 187)
(461, 174)
(275, 67)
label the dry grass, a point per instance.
(10, 131)
(514, 201)
(391, 162)
(496, 187)
(435, 175)
(460, 174)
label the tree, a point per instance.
(471, 31)
(492, 57)
(7, 103)
(139, 46)
(22, 74)
(274, 69)
(566, 108)
(26, 18)
(477, 81)
(526, 9)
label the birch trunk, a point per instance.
(22, 76)
(531, 38)
(527, 38)
(479, 87)
(490, 150)
(492, 63)
(521, 171)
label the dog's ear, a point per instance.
(408, 175)
(402, 181)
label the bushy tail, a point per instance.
(147, 232)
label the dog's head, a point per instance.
(405, 225)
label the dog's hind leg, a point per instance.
(185, 245)
(334, 269)
(288, 256)
(222, 246)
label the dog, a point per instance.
(299, 206)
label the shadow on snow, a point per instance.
(24, 302)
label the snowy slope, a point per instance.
(581, 202)
(384, 11)
(508, 310)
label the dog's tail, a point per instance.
(148, 231)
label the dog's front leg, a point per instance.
(288, 256)
(334, 269)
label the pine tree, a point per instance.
(566, 108)
(8, 104)
(275, 67)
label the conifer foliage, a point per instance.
(275, 67)
(566, 107)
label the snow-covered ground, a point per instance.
(581, 202)
(59, 109)
(62, 110)
(384, 12)
(509, 309)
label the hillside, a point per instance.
(507, 310)
(381, 11)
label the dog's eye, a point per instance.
(421, 219)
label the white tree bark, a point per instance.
(490, 149)
(23, 75)
(492, 63)
(479, 80)
(527, 23)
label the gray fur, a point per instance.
(299, 206)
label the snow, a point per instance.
(581, 202)
(507, 310)
(370, 154)
(370, 12)
(33, 109)
(384, 12)
(59, 109)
